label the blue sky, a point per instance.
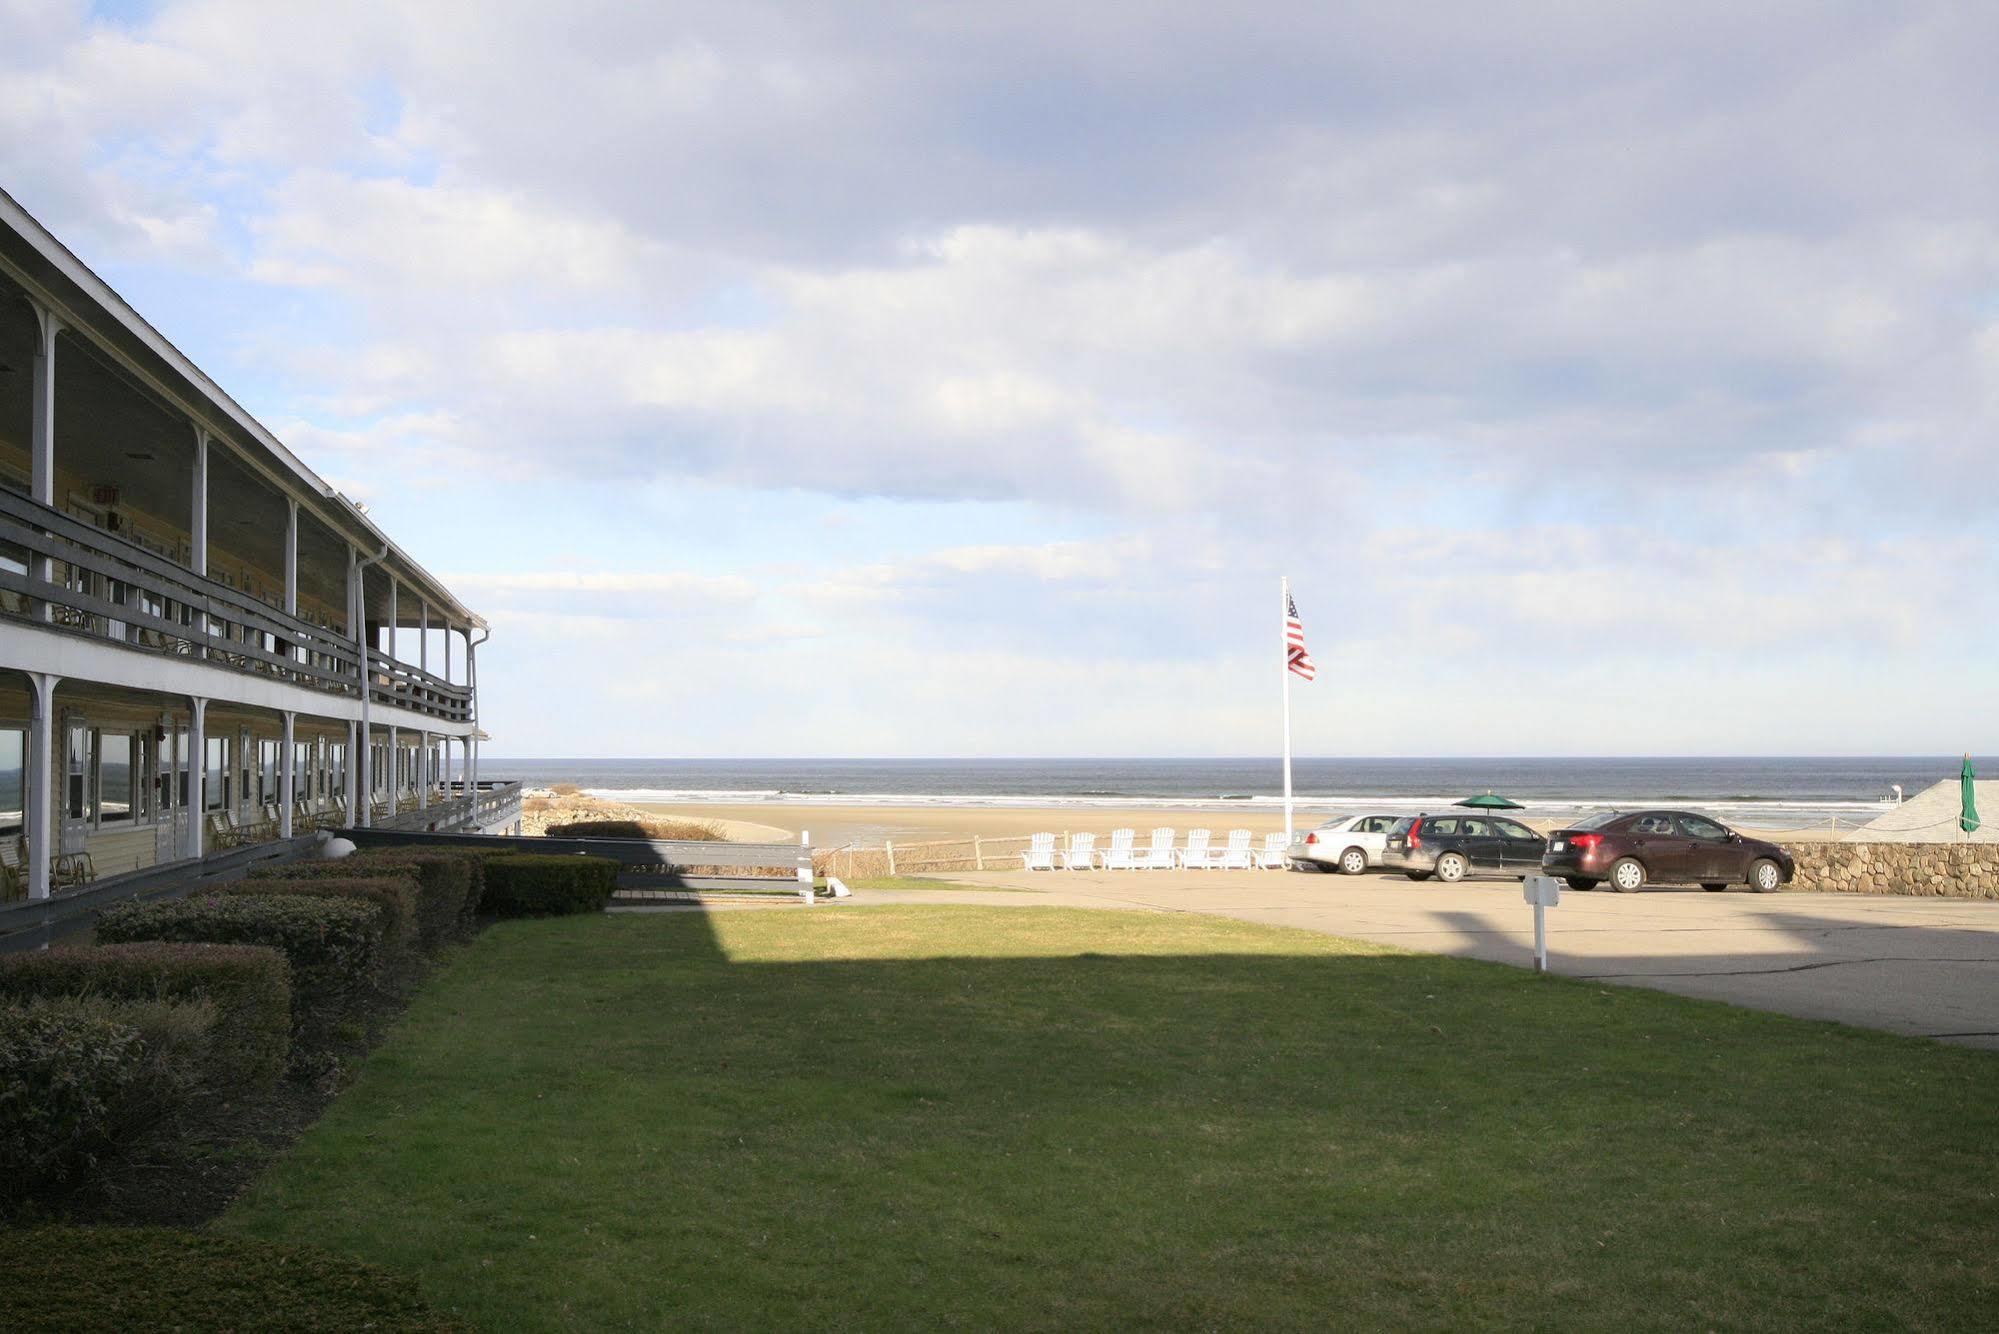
(959, 379)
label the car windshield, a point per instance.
(1595, 821)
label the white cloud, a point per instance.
(1465, 322)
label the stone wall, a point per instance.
(1933, 870)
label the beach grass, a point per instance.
(931, 1116)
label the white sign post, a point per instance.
(1544, 892)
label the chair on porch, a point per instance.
(13, 878)
(1159, 856)
(1040, 854)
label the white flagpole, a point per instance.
(1284, 666)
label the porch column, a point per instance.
(42, 441)
(390, 648)
(423, 635)
(423, 771)
(38, 790)
(395, 763)
(197, 523)
(291, 556)
(197, 773)
(287, 771)
(197, 527)
(447, 651)
(352, 776)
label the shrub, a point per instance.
(447, 887)
(334, 946)
(442, 879)
(68, 1278)
(685, 831)
(250, 986)
(534, 885)
(83, 1076)
(394, 897)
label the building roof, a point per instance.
(32, 255)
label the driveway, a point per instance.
(1924, 967)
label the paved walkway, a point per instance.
(1927, 967)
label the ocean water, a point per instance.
(1774, 792)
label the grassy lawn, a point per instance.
(922, 1116)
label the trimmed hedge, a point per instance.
(537, 885)
(394, 897)
(83, 1076)
(250, 986)
(448, 881)
(444, 881)
(71, 1278)
(334, 945)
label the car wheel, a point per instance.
(1413, 875)
(1627, 876)
(1451, 867)
(1580, 883)
(1353, 861)
(1711, 887)
(1765, 877)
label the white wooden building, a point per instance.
(195, 629)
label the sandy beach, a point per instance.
(869, 825)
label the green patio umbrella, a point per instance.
(1489, 802)
(1967, 820)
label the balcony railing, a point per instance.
(65, 573)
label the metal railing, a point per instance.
(493, 803)
(62, 572)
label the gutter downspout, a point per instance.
(364, 766)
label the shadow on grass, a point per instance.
(931, 1115)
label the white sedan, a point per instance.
(1351, 843)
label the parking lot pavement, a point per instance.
(1927, 967)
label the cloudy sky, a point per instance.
(959, 379)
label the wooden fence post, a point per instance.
(890, 845)
(978, 854)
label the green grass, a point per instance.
(155, 1278)
(925, 1116)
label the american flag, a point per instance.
(1296, 657)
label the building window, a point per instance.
(214, 773)
(76, 775)
(13, 777)
(115, 778)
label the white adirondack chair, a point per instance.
(1195, 856)
(1081, 853)
(1040, 854)
(1271, 856)
(1119, 856)
(1159, 857)
(1236, 856)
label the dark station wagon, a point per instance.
(1450, 847)
(1625, 849)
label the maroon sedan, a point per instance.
(1627, 848)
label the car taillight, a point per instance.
(1416, 834)
(1586, 842)
(1312, 837)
